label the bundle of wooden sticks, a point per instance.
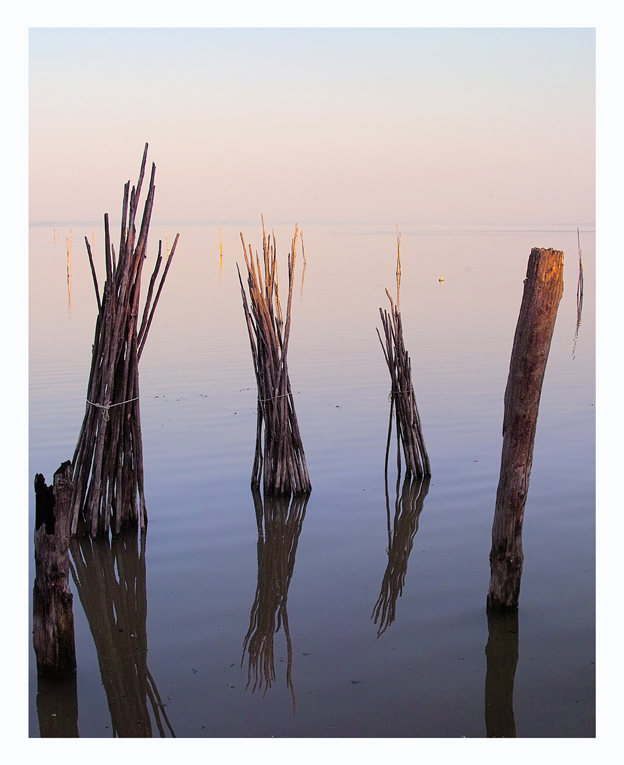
(279, 457)
(108, 460)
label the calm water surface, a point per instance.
(161, 624)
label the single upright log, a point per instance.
(53, 618)
(543, 288)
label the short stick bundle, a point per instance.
(108, 460)
(403, 399)
(279, 457)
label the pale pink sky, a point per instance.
(358, 125)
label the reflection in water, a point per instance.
(579, 294)
(57, 706)
(502, 658)
(110, 578)
(279, 520)
(402, 528)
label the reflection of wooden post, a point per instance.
(543, 288)
(502, 660)
(53, 618)
(57, 706)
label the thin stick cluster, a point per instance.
(279, 457)
(403, 400)
(108, 460)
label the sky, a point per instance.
(388, 125)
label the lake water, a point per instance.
(161, 625)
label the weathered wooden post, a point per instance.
(53, 617)
(543, 288)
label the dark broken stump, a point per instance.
(53, 618)
(543, 288)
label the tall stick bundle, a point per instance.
(409, 430)
(108, 460)
(279, 457)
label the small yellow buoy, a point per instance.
(441, 279)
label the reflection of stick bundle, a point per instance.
(409, 432)
(279, 525)
(108, 463)
(53, 617)
(110, 578)
(401, 533)
(543, 288)
(282, 461)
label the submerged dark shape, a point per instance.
(110, 578)
(108, 459)
(279, 461)
(280, 520)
